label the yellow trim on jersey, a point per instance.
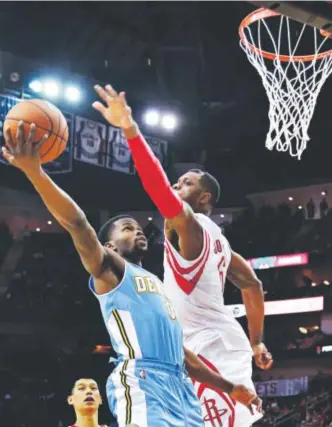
(123, 333)
(127, 392)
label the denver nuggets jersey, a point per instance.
(197, 287)
(140, 319)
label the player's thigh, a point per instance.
(147, 399)
(218, 407)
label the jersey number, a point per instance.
(170, 309)
(222, 262)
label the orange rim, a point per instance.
(262, 13)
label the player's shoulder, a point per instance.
(208, 224)
(203, 219)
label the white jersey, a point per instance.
(196, 289)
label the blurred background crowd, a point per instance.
(47, 294)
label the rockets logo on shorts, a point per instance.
(218, 408)
(216, 412)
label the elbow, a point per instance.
(253, 286)
(257, 285)
(80, 222)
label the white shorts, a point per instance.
(219, 409)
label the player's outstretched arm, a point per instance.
(198, 371)
(243, 276)
(24, 154)
(179, 214)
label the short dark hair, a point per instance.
(72, 389)
(104, 232)
(210, 184)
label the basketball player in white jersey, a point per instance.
(198, 258)
(85, 398)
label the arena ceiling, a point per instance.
(184, 53)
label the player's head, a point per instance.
(85, 397)
(199, 189)
(124, 235)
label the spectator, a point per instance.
(311, 209)
(323, 207)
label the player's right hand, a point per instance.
(116, 112)
(21, 151)
(263, 358)
(247, 397)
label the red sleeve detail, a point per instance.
(187, 270)
(154, 179)
(188, 285)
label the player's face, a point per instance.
(85, 397)
(128, 237)
(189, 189)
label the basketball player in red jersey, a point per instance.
(198, 258)
(109, 266)
(85, 398)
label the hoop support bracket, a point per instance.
(298, 11)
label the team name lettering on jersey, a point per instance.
(148, 284)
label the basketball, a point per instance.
(48, 120)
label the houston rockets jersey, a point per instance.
(196, 289)
(140, 319)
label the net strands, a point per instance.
(292, 83)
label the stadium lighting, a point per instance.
(152, 118)
(326, 283)
(72, 94)
(36, 86)
(323, 193)
(169, 122)
(49, 222)
(290, 199)
(150, 218)
(300, 207)
(303, 330)
(51, 88)
(222, 215)
(37, 229)
(313, 284)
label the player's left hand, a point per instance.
(263, 358)
(116, 111)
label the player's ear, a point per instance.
(111, 245)
(70, 400)
(205, 197)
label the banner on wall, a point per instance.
(90, 141)
(277, 261)
(118, 153)
(288, 306)
(63, 163)
(288, 387)
(159, 147)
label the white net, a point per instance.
(292, 85)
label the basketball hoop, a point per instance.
(292, 82)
